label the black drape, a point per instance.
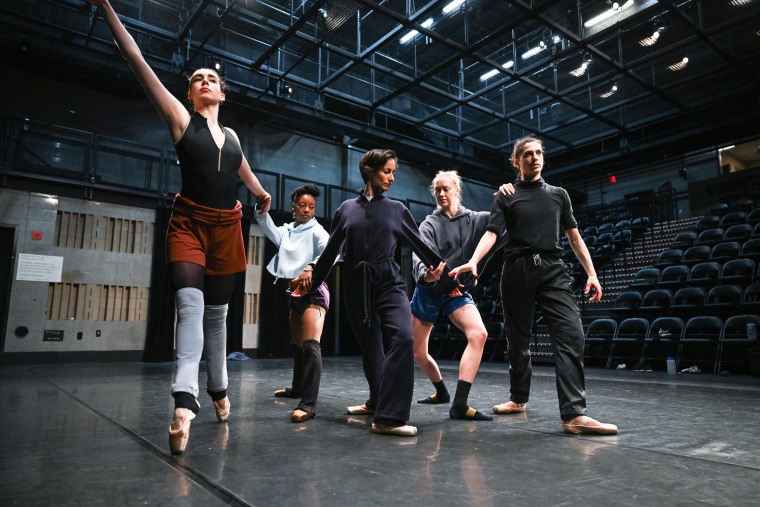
(159, 343)
(237, 302)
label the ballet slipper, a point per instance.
(222, 413)
(179, 437)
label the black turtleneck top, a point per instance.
(534, 216)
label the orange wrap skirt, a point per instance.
(206, 236)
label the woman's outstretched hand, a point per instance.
(464, 268)
(506, 189)
(433, 274)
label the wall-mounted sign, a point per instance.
(52, 335)
(39, 268)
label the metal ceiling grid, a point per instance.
(344, 60)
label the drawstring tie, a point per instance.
(370, 275)
(536, 260)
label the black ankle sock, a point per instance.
(460, 409)
(441, 394)
(441, 391)
(186, 400)
(463, 392)
(217, 395)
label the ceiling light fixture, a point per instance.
(611, 92)
(739, 3)
(452, 6)
(491, 73)
(579, 71)
(414, 33)
(659, 28)
(651, 40)
(584, 66)
(542, 45)
(532, 52)
(612, 11)
(679, 65)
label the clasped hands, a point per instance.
(301, 284)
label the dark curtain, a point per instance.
(159, 344)
(237, 303)
(274, 327)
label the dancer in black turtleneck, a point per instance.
(369, 228)
(535, 274)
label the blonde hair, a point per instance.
(453, 176)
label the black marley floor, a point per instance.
(96, 434)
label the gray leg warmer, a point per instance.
(189, 340)
(215, 347)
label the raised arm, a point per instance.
(168, 106)
(271, 231)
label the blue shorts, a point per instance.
(428, 303)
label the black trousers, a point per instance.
(390, 375)
(527, 281)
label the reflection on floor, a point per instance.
(97, 435)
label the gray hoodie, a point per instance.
(455, 240)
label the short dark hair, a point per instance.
(373, 161)
(307, 189)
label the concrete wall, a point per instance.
(42, 305)
(101, 301)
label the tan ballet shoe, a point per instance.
(178, 438)
(509, 407)
(362, 409)
(222, 413)
(299, 416)
(585, 425)
(399, 431)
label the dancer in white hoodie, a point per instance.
(298, 244)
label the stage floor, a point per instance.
(96, 434)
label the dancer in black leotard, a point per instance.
(204, 243)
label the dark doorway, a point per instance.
(7, 249)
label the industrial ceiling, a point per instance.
(601, 82)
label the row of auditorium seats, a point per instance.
(721, 208)
(703, 290)
(723, 341)
(727, 220)
(687, 301)
(606, 240)
(721, 252)
(702, 274)
(713, 235)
